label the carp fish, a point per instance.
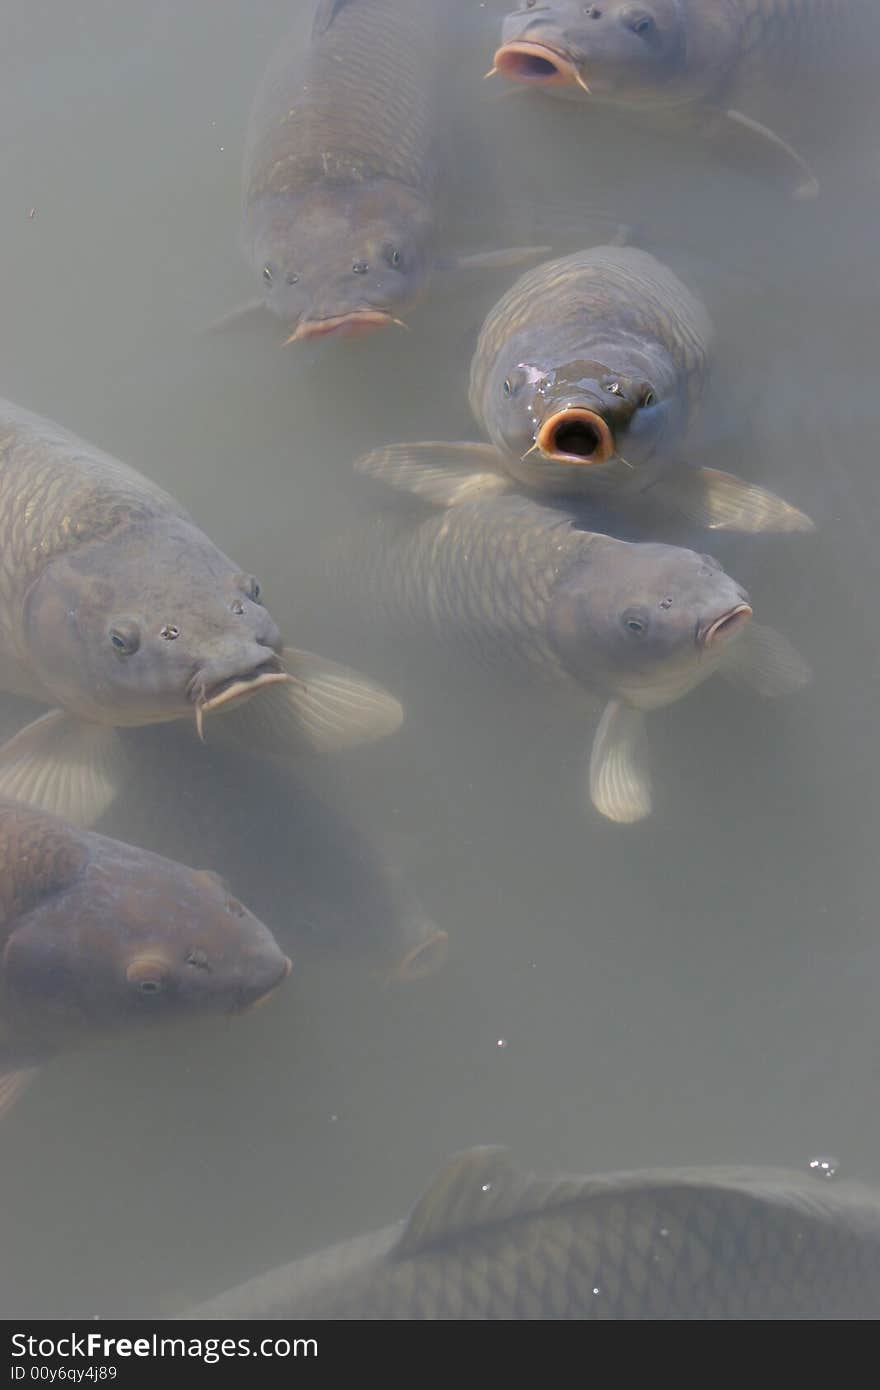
(586, 377)
(343, 170)
(117, 610)
(706, 62)
(638, 624)
(489, 1241)
(99, 938)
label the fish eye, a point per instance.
(508, 389)
(234, 907)
(197, 959)
(267, 274)
(170, 632)
(394, 258)
(291, 279)
(237, 607)
(635, 620)
(125, 638)
(360, 267)
(648, 398)
(615, 388)
(640, 23)
(516, 380)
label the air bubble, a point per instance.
(825, 1167)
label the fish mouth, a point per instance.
(576, 435)
(253, 1004)
(235, 689)
(537, 64)
(429, 955)
(725, 626)
(355, 324)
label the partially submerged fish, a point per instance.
(489, 1241)
(118, 610)
(638, 625)
(586, 376)
(98, 937)
(342, 170)
(704, 59)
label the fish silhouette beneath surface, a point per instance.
(100, 938)
(488, 1241)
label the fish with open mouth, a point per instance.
(343, 171)
(488, 1240)
(699, 60)
(586, 376)
(637, 624)
(99, 938)
(117, 610)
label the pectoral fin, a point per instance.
(744, 140)
(324, 709)
(13, 1085)
(442, 474)
(764, 661)
(620, 777)
(507, 259)
(64, 766)
(721, 502)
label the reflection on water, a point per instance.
(694, 989)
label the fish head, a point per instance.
(616, 50)
(576, 427)
(645, 622)
(348, 260)
(149, 626)
(139, 939)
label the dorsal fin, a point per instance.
(478, 1188)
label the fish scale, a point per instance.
(38, 855)
(359, 104)
(713, 1243)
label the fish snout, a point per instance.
(537, 64)
(236, 675)
(265, 976)
(576, 435)
(720, 629)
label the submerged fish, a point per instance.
(586, 376)
(639, 625)
(488, 1241)
(99, 937)
(708, 59)
(118, 610)
(342, 169)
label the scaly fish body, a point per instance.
(98, 937)
(341, 167)
(637, 624)
(609, 335)
(489, 1242)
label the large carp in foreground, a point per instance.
(98, 937)
(586, 377)
(636, 624)
(117, 610)
(343, 169)
(488, 1241)
(715, 62)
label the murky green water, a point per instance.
(698, 988)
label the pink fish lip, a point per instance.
(724, 627)
(537, 64)
(576, 435)
(355, 324)
(422, 959)
(241, 687)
